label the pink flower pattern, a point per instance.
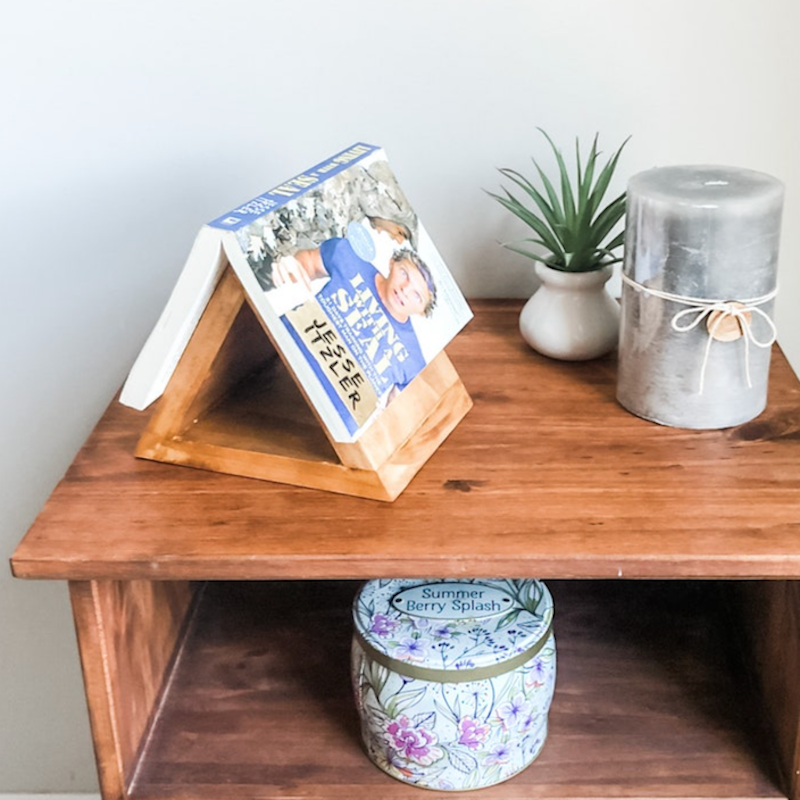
(416, 744)
(471, 734)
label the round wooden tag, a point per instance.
(725, 327)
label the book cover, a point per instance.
(344, 276)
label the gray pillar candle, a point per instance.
(699, 239)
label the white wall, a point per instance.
(125, 125)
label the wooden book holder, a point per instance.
(234, 406)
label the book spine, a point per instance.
(275, 198)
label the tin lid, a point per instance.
(452, 631)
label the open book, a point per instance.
(343, 276)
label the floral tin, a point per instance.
(453, 679)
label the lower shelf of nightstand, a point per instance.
(651, 700)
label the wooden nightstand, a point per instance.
(212, 611)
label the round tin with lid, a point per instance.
(453, 679)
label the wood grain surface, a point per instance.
(547, 475)
(648, 701)
(128, 636)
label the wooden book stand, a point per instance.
(234, 406)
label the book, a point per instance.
(342, 274)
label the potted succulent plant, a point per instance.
(571, 316)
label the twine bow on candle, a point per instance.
(717, 313)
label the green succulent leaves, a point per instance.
(568, 220)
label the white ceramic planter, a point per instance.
(571, 316)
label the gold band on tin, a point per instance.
(451, 675)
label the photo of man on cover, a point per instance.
(344, 255)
